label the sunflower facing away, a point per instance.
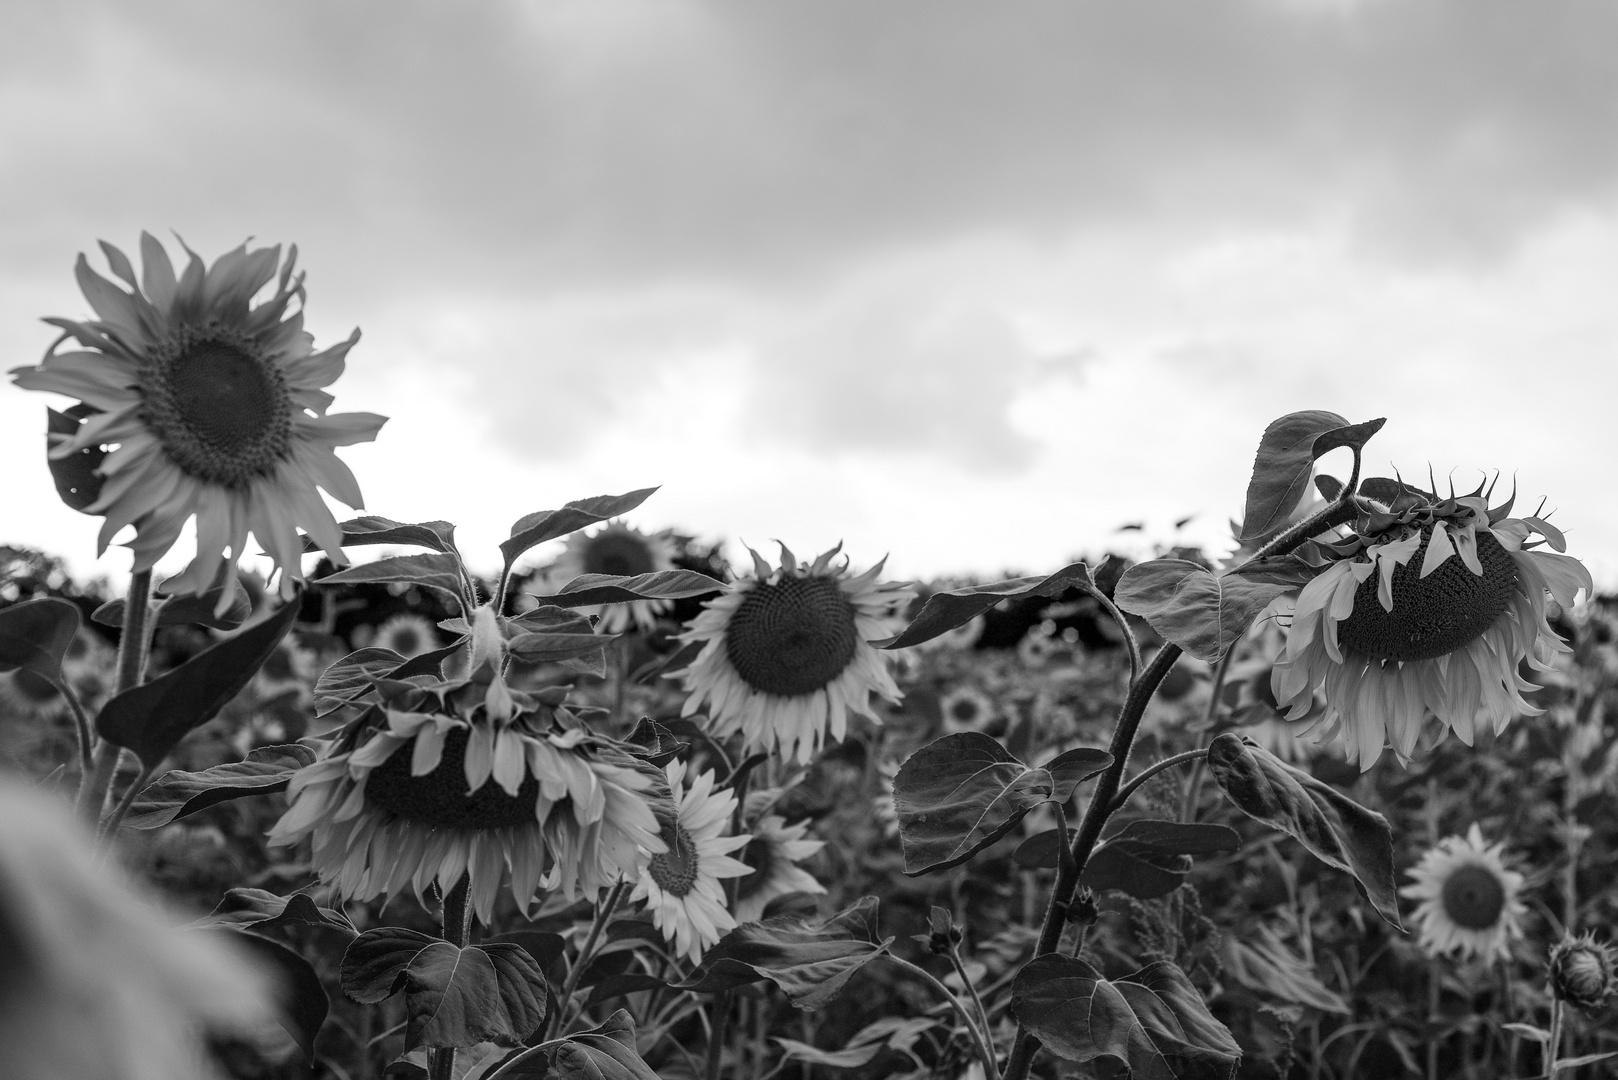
(773, 853)
(1469, 900)
(786, 655)
(681, 883)
(429, 783)
(1428, 608)
(622, 551)
(210, 407)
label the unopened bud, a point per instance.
(1582, 972)
(1083, 909)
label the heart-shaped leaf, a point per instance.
(613, 589)
(602, 1053)
(151, 718)
(959, 794)
(1333, 827)
(1141, 871)
(1152, 1023)
(35, 635)
(534, 529)
(1286, 457)
(436, 570)
(453, 996)
(301, 998)
(946, 610)
(176, 794)
(373, 529)
(810, 960)
(1201, 613)
(259, 910)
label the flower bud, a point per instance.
(1582, 972)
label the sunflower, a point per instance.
(1427, 607)
(1469, 900)
(214, 408)
(786, 654)
(407, 634)
(621, 551)
(966, 708)
(680, 882)
(773, 852)
(428, 784)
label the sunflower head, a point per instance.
(1469, 901)
(621, 551)
(786, 654)
(1425, 608)
(1583, 972)
(196, 402)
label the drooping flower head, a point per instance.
(681, 884)
(204, 405)
(469, 776)
(622, 551)
(773, 851)
(1427, 608)
(1583, 972)
(1469, 905)
(786, 654)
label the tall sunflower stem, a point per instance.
(716, 1034)
(587, 951)
(1553, 1045)
(457, 922)
(1089, 831)
(109, 828)
(81, 727)
(133, 646)
(991, 1069)
(977, 999)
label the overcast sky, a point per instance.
(971, 283)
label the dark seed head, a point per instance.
(793, 637)
(1473, 897)
(619, 552)
(222, 414)
(675, 871)
(440, 797)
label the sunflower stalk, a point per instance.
(586, 953)
(457, 923)
(1198, 755)
(133, 646)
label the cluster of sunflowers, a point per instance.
(624, 737)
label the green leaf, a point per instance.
(851, 1057)
(195, 609)
(436, 570)
(534, 529)
(944, 611)
(259, 910)
(602, 1053)
(373, 529)
(77, 481)
(810, 960)
(453, 996)
(612, 589)
(554, 648)
(1142, 871)
(959, 794)
(1153, 1023)
(1286, 457)
(176, 794)
(1263, 963)
(1176, 837)
(35, 635)
(151, 718)
(301, 998)
(1201, 613)
(1334, 828)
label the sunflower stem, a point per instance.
(587, 951)
(977, 999)
(716, 1034)
(1150, 771)
(109, 828)
(457, 921)
(81, 727)
(991, 1069)
(133, 646)
(1553, 1045)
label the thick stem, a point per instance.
(1089, 831)
(457, 920)
(132, 648)
(991, 1069)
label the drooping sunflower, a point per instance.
(1469, 906)
(1427, 608)
(429, 783)
(205, 406)
(787, 655)
(773, 853)
(681, 883)
(623, 551)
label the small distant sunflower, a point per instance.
(1040, 645)
(966, 708)
(786, 655)
(407, 634)
(773, 852)
(213, 408)
(25, 695)
(681, 882)
(427, 785)
(622, 551)
(1469, 900)
(1429, 607)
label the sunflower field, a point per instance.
(1338, 803)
